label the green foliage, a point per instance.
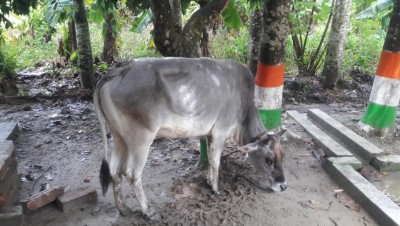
(8, 58)
(58, 11)
(381, 10)
(230, 45)
(39, 23)
(231, 17)
(141, 21)
(16, 6)
(363, 47)
(378, 7)
(309, 21)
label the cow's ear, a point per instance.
(248, 148)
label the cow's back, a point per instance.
(193, 93)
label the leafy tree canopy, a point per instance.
(16, 6)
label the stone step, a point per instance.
(356, 144)
(374, 201)
(8, 130)
(330, 146)
(387, 163)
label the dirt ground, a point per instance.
(62, 136)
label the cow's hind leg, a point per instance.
(137, 156)
(117, 161)
(216, 146)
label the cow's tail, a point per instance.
(105, 176)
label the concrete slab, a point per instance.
(12, 216)
(347, 160)
(8, 130)
(375, 202)
(387, 163)
(329, 145)
(356, 143)
(77, 199)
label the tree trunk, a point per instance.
(380, 115)
(72, 36)
(165, 29)
(84, 46)
(110, 52)
(255, 38)
(205, 50)
(271, 64)
(337, 40)
(170, 39)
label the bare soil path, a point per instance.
(65, 135)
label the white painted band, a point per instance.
(385, 91)
(268, 98)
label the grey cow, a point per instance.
(174, 98)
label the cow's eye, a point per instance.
(269, 162)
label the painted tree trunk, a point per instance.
(84, 47)
(254, 42)
(271, 64)
(337, 40)
(110, 52)
(380, 115)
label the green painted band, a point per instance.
(271, 118)
(380, 116)
(203, 150)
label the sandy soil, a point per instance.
(65, 136)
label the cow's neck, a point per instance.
(251, 129)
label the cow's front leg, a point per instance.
(216, 145)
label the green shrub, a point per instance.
(8, 58)
(230, 45)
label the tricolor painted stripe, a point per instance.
(380, 116)
(268, 93)
(270, 76)
(385, 94)
(389, 65)
(385, 91)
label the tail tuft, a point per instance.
(105, 176)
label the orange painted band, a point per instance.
(270, 76)
(389, 65)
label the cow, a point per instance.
(177, 98)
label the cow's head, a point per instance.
(266, 156)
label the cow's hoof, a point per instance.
(216, 192)
(153, 215)
(125, 212)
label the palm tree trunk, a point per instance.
(255, 38)
(337, 40)
(110, 52)
(84, 46)
(72, 36)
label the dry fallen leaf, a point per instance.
(348, 201)
(316, 205)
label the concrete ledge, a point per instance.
(356, 143)
(387, 163)
(351, 161)
(8, 130)
(377, 204)
(11, 216)
(329, 145)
